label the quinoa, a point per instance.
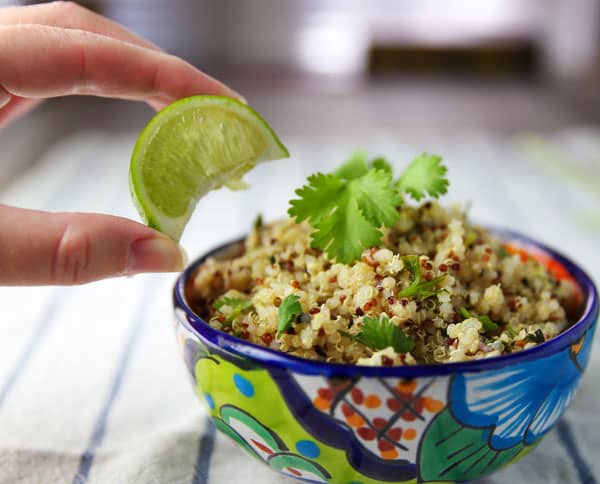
(523, 299)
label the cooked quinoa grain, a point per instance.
(485, 302)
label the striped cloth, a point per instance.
(92, 388)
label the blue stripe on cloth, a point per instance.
(35, 341)
(37, 338)
(205, 451)
(87, 458)
(566, 438)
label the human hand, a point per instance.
(60, 49)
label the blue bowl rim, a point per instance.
(269, 357)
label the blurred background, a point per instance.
(324, 67)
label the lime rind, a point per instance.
(214, 173)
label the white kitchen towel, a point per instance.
(92, 387)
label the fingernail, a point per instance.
(155, 255)
(4, 97)
(241, 98)
(236, 95)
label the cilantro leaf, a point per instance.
(486, 323)
(425, 175)
(346, 233)
(347, 214)
(376, 197)
(381, 163)
(233, 303)
(288, 311)
(349, 208)
(420, 289)
(317, 199)
(238, 306)
(354, 167)
(379, 333)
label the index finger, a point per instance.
(38, 61)
(69, 15)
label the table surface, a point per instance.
(92, 388)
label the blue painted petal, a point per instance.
(551, 410)
(517, 401)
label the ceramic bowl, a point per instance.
(346, 424)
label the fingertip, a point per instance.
(158, 105)
(227, 91)
(156, 254)
(185, 258)
(205, 85)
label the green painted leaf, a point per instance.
(451, 452)
(227, 430)
(229, 413)
(284, 460)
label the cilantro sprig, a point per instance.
(379, 333)
(237, 306)
(287, 313)
(348, 208)
(486, 322)
(419, 288)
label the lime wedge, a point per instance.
(195, 145)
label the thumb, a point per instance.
(73, 248)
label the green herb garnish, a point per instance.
(465, 313)
(470, 238)
(537, 337)
(425, 175)
(382, 164)
(258, 222)
(419, 288)
(348, 208)
(288, 311)
(486, 322)
(238, 306)
(502, 253)
(380, 333)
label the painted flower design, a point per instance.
(387, 416)
(267, 446)
(520, 403)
